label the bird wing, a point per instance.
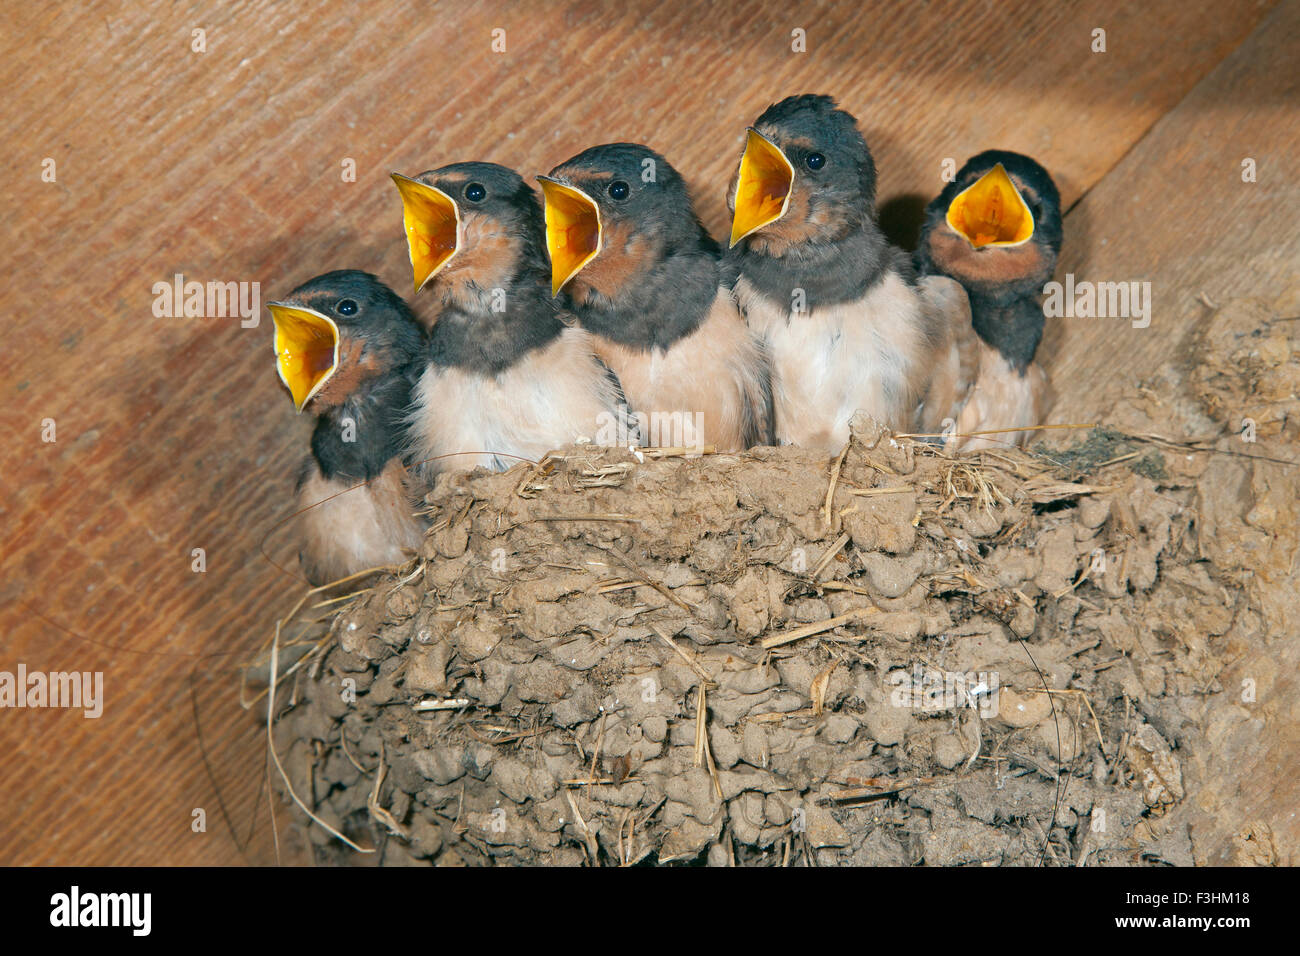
(955, 361)
(1003, 399)
(345, 526)
(629, 424)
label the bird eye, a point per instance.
(475, 192)
(618, 190)
(346, 307)
(815, 161)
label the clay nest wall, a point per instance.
(895, 657)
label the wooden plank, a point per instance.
(1176, 212)
(225, 165)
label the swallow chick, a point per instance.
(847, 324)
(348, 349)
(506, 377)
(996, 229)
(634, 264)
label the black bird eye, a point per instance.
(618, 190)
(346, 307)
(475, 192)
(815, 161)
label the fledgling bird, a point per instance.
(506, 377)
(643, 276)
(847, 324)
(348, 349)
(996, 229)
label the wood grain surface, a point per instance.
(174, 434)
(1176, 212)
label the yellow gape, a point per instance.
(573, 230)
(763, 187)
(306, 350)
(991, 212)
(432, 221)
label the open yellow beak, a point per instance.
(763, 189)
(432, 222)
(573, 230)
(306, 349)
(991, 212)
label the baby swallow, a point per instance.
(644, 277)
(847, 324)
(348, 349)
(506, 378)
(996, 229)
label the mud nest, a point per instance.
(894, 657)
